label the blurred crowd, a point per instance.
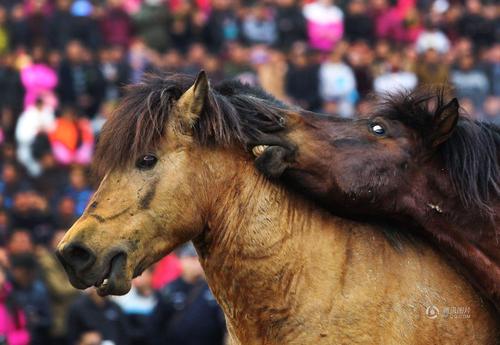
(63, 64)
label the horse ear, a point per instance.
(192, 101)
(445, 122)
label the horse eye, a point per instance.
(378, 129)
(146, 162)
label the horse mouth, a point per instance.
(114, 280)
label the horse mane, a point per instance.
(471, 155)
(233, 113)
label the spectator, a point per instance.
(116, 24)
(61, 25)
(432, 38)
(66, 213)
(358, 23)
(138, 306)
(37, 119)
(78, 189)
(39, 81)
(491, 110)
(290, 24)
(337, 82)
(222, 25)
(470, 81)
(259, 26)
(13, 330)
(430, 69)
(395, 78)
(90, 338)
(4, 227)
(72, 139)
(302, 79)
(325, 24)
(472, 24)
(60, 292)
(30, 293)
(19, 28)
(31, 211)
(11, 183)
(151, 24)
(19, 242)
(187, 313)
(80, 83)
(90, 312)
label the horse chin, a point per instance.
(117, 281)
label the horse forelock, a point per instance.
(471, 154)
(233, 113)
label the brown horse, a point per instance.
(413, 160)
(284, 271)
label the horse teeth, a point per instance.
(258, 150)
(104, 282)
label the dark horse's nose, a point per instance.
(76, 256)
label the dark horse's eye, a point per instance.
(146, 162)
(377, 129)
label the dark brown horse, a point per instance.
(414, 160)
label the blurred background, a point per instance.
(63, 64)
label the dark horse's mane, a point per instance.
(237, 113)
(233, 113)
(471, 155)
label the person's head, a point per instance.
(4, 218)
(491, 107)
(144, 282)
(431, 56)
(66, 207)
(114, 3)
(356, 7)
(19, 242)
(18, 13)
(469, 108)
(74, 51)
(382, 49)
(90, 337)
(77, 178)
(39, 54)
(63, 5)
(47, 160)
(23, 269)
(196, 54)
(3, 277)
(56, 238)
(10, 173)
(39, 103)
(466, 62)
(69, 112)
(191, 267)
(473, 6)
(8, 152)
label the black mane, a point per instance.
(471, 155)
(233, 113)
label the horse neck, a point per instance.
(469, 236)
(256, 243)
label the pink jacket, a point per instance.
(12, 327)
(39, 80)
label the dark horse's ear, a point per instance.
(192, 101)
(445, 122)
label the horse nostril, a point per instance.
(78, 256)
